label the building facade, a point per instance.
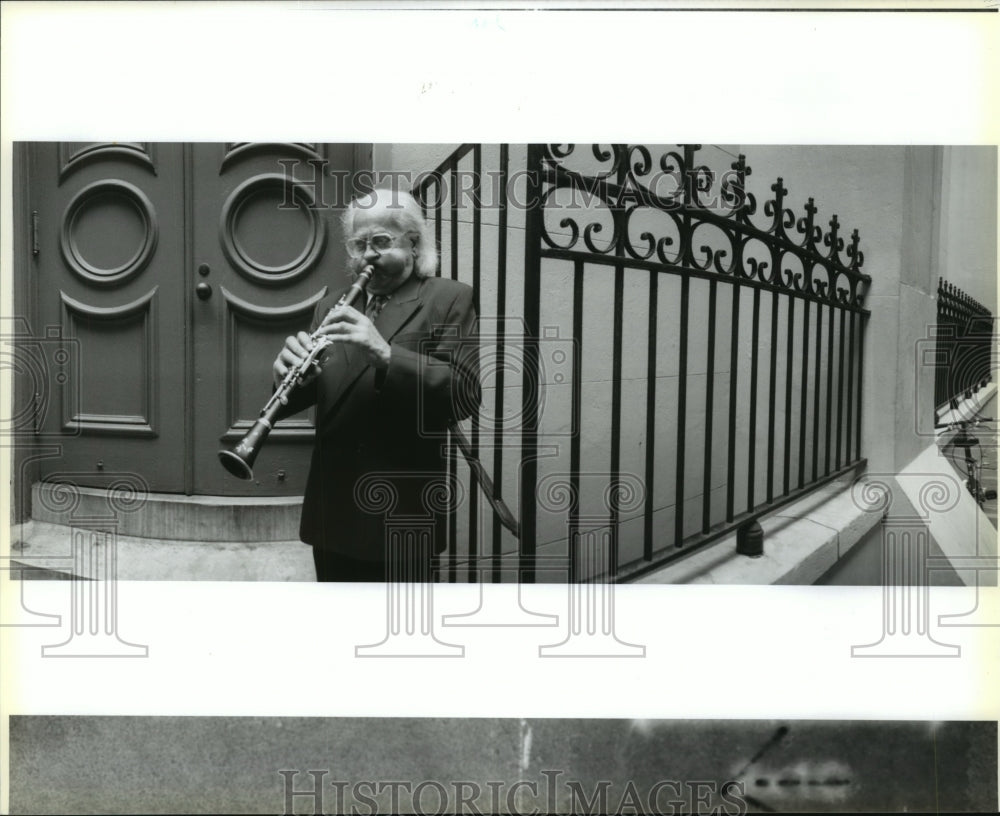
(160, 280)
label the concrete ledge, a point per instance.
(173, 516)
(801, 542)
(50, 547)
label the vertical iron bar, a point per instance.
(438, 217)
(529, 405)
(829, 392)
(574, 444)
(706, 511)
(819, 357)
(754, 354)
(477, 221)
(498, 397)
(771, 395)
(452, 457)
(789, 344)
(477, 168)
(804, 387)
(647, 542)
(861, 358)
(616, 417)
(681, 413)
(614, 494)
(734, 348)
(840, 385)
(454, 221)
(850, 389)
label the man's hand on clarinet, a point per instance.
(347, 325)
(296, 350)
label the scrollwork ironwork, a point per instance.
(630, 179)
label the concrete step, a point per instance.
(41, 545)
(171, 516)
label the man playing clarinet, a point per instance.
(400, 367)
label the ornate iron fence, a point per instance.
(682, 365)
(964, 341)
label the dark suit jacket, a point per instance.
(380, 435)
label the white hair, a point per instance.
(409, 217)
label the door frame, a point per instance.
(26, 468)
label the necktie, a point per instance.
(375, 304)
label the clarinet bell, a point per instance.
(235, 465)
(239, 461)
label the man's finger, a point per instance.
(344, 313)
(294, 346)
(290, 358)
(344, 334)
(338, 329)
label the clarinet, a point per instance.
(239, 460)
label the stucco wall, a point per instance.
(968, 247)
(923, 212)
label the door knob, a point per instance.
(203, 290)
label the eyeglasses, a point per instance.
(380, 242)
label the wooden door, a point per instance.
(173, 273)
(267, 247)
(107, 280)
